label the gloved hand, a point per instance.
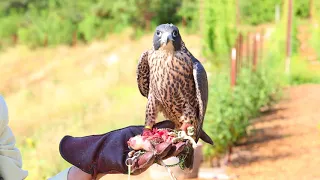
(107, 153)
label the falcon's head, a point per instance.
(167, 37)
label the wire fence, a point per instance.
(252, 45)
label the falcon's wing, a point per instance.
(201, 82)
(143, 74)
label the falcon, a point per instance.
(174, 82)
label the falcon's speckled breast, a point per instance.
(172, 85)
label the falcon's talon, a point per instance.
(177, 139)
(190, 130)
(172, 134)
(183, 135)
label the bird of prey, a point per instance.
(174, 82)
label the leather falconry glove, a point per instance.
(107, 153)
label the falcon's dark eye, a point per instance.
(175, 33)
(158, 33)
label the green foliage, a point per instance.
(316, 10)
(262, 11)
(300, 72)
(315, 29)
(295, 41)
(229, 111)
(258, 11)
(278, 40)
(43, 27)
(302, 9)
(219, 29)
(315, 40)
(299, 69)
(87, 27)
(53, 22)
(11, 24)
(9, 28)
(189, 14)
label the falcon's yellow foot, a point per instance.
(147, 131)
(190, 130)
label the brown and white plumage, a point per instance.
(174, 82)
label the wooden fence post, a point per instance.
(74, 38)
(248, 48)
(258, 39)
(45, 41)
(261, 44)
(289, 31)
(239, 51)
(14, 39)
(233, 72)
(255, 52)
(237, 46)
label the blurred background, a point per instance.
(68, 68)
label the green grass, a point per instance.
(315, 39)
(301, 70)
(302, 73)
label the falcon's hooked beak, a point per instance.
(166, 37)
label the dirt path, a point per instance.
(286, 141)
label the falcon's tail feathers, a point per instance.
(205, 137)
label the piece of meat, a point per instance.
(147, 143)
(140, 143)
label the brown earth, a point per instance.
(285, 143)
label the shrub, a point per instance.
(189, 14)
(262, 11)
(229, 111)
(9, 28)
(302, 9)
(258, 11)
